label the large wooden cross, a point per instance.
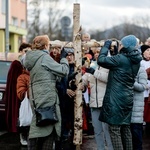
(76, 44)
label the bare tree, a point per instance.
(144, 22)
(44, 18)
(139, 26)
(33, 20)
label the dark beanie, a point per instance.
(144, 48)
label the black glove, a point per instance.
(90, 70)
(107, 44)
(73, 86)
(72, 76)
(63, 53)
(83, 60)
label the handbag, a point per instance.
(44, 116)
(25, 112)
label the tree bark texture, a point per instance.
(78, 63)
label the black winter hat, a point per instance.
(144, 48)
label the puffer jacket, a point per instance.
(118, 99)
(97, 84)
(138, 99)
(44, 72)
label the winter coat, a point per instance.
(138, 99)
(11, 100)
(118, 99)
(23, 84)
(44, 72)
(146, 65)
(97, 84)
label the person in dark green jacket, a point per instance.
(118, 99)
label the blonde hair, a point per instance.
(40, 41)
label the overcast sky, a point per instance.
(102, 14)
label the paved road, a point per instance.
(10, 141)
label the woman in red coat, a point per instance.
(12, 102)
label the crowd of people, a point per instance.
(115, 87)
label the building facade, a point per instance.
(17, 23)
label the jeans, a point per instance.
(137, 132)
(100, 131)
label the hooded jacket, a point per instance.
(118, 99)
(44, 72)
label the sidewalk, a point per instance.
(88, 143)
(11, 141)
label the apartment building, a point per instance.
(17, 23)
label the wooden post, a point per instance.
(78, 63)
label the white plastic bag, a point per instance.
(25, 112)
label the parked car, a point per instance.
(4, 65)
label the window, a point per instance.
(3, 6)
(14, 21)
(23, 25)
(4, 65)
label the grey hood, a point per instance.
(32, 57)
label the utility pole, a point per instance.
(7, 29)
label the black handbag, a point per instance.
(46, 116)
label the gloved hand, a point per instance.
(90, 70)
(72, 76)
(107, 44)
(63, 53)
(72, 85)
(83, 60)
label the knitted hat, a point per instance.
(129, 41)
(144, 48)
(88, 55)
(56, 43)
